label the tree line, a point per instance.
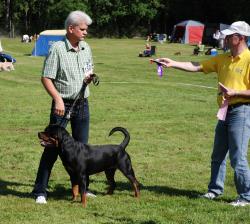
(117, 18)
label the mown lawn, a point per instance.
(171, 121)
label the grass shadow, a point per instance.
(126, 186)
(60, 192)
(170, 191)
(7, 188)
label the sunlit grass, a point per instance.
(171, 121)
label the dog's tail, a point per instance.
(126, 134)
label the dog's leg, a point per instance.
(110, 173)
(84, 199)
(134, 183)
(83, 190)
(74, 185)
(75, 192)
(125, 166)
(136, 187)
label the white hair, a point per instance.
(76, 17)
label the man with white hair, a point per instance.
(68, 63)
(232, 132)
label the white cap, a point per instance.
(239, 27)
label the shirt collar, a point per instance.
(241, 55)
(69, 47)
(244, 53)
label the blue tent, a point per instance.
(45, 40)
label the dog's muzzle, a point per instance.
(46, 140)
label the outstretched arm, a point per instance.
(186, 66)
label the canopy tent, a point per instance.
(188, 32)
(45, 40)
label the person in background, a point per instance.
(146, 52)
(68, 63)
(221, 42)
(197, 49)
(216, 37)
(6, 66)
(232, 134)
(25, 38)
(149, 37)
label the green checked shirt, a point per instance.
(67, 68)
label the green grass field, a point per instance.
(171, 121)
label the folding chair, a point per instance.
(153, 50)
(201, 49)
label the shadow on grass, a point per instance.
(9, 188)
(170, 191)
(60, 192)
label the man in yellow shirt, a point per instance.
(232, 134)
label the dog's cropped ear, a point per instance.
(58, 130)
(59, 134)
(51, 126)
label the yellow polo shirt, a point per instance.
(232, 72)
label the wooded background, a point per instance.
(117, 18)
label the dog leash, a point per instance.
(95, 79)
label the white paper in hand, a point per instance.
(222, 113)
